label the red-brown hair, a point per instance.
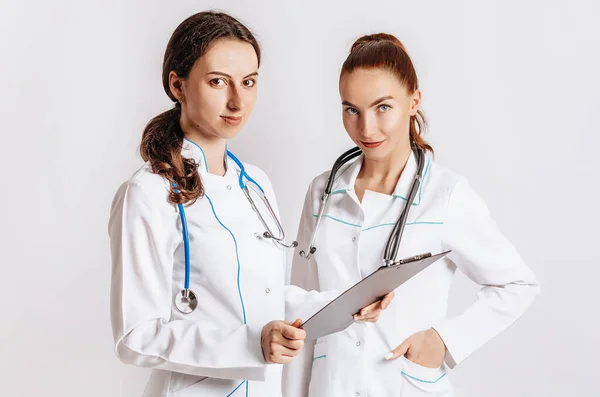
(385, 51)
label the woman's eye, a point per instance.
(250, 83)
(217, 82)
(351, 111)
(384, 108)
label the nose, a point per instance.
(235, 102)
(367, 125)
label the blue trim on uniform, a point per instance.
(203, 155)
(316, 358)
(424, 175)
(338, 220)
(407, 224)
(339, 191)
(236, 254)
(397, 195)
(230, 232)
(376, 226)
(226, 158)
(420, 187)
(422, 380)
(234, 390)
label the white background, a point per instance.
(511, 89)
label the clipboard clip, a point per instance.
(409, 259)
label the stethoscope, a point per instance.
(186, 300)
(393, 242)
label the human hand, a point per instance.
(282, 341)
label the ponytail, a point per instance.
(161, 146)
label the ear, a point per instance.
(176, 85)
(415, 102)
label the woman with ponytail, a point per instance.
(217, 336)
(409, 351)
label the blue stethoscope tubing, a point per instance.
(186, 300)
(184, 226)
(186, 246)
(243, 172)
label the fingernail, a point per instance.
(389, 356)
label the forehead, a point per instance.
(234, 57)
(363, 86)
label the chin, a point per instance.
(230, 132)
(376, 154)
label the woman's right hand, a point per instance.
(282, 341)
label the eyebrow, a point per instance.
(383, 98)
(226, 75)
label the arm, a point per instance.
(303, 297)
(304, 276)
(483, 254)
(141, 298)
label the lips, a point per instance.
(232, 120)
(371, 145)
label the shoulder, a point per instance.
(257, 174)
(144, 187)
(320, 181)
(439, 177)
(453, 187)
(316, 188)
(260, 177)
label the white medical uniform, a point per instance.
(237, 275)
(446, 215)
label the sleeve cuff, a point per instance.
(255, 335)
(452, 357)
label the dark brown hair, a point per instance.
(383, 50)
(162, 139)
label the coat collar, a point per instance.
(192, 150)
(346, 178)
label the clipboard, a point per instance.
(338, 314)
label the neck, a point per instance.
(388, 169)
(214, 151)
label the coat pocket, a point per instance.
(421, 381)
(318, 375)
(207, 387)
(181, 381)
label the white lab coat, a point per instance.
(237, 277)
(446, 215)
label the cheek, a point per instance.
(350, 126)
(393, 123)
(250, 100)
(209, 103)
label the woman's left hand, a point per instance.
(372, 312)
(425, 348)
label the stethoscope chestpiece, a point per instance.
(186, 301)
(279, 241)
